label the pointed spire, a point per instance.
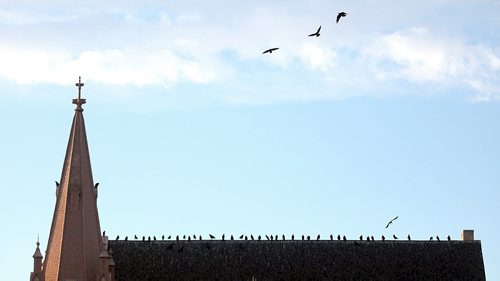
(75, 236)
(37, 263)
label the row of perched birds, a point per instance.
(268, 237)
(315, 34)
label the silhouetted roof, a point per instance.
(298, 260)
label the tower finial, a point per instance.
(79, 101)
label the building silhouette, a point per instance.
(77, 251)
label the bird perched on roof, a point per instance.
(308, 237)
(96, 185)
(293, 237)
(267, 237)
(104, 233)
(126, 238)
(331, 236)
(373, 239)
(338, 237)
(163, 237)
(117, 237)
(341, 14)
(449, 238)
(223, 237)
(57, 184)
(154, 238)
(184, 237)
(246, 237)
(395, 237)
(432, 238)
(135, 237)
(189, 238)
(437, 238)
(390, 222)
(317, 238)
(272, 237)
(176, 237)
(259, 238)
(232, 237)
(361, 237)
(316, 33)
(383, 238)
(170, 236)
(144, 238)
(251, 236)
(211, 236)
(194, 236)
(344, 238)
(200, 238)
(409, 238)
(241, 237)
(149, 238)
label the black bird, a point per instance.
(251, 236)
(283, 236)
(341, 14)
(126, 238)
(437, 238)
(449, 238)
(194, 236)
(241, 237)
(189, 238)
(176, 237)
(361, 237)
(143, 238)
(170, 236)
(293, 237)
(104, 233)
(149, 238)
(154, 238)
(267, 237)
(308, 237)
(316, 33)
(383, 238)
(163, 237)
(331, 237)
(373, 239)
(317, 238)
(270, 50)
(395, 237)
(232, 237)
(344, 238)
(432, 238)
(117, 237)
(184, 237)
(57, 184)
(223, 237)
(367, 238)
(302, 236)
(338, 237)
(276, 237)
(96, 185)
(200, 238)
(135, 237)
(409, 238)
(272, 238)
(259, 238)
(389, 223)
(211, 236)
(246, 237)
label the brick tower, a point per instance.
(75, 241)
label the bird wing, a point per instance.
(317, 32)
(389, 223)
(267, 51)
(338, 17)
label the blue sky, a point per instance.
(393, 111)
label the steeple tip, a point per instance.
(79, 101)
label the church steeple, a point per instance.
(75, 240)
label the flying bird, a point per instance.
(341, 14)
(316, 33)
(270, 50)
(390, 222)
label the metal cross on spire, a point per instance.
(79, 101)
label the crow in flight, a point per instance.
(341, 14)
(316, 33)
(270, 50)
(390, 222)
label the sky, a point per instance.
(394, 111)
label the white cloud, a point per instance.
(317, 58)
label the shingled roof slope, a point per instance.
(297, 260)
